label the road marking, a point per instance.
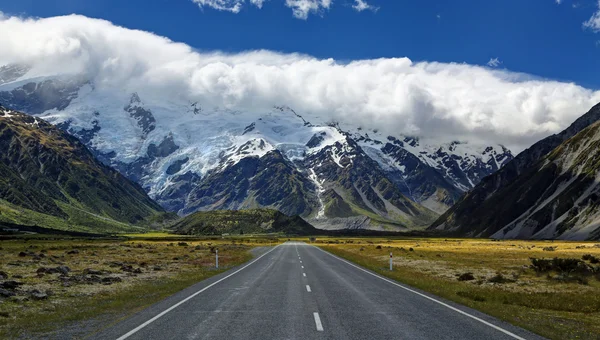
(304, 274)
(427, 297)
(135, 330)
(300, 261)
(302, 267)
(318, 322)
(308, 288)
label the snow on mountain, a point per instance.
(171, 146)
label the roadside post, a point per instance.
(217, 257)
(390, 261)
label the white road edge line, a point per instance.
(427, 297)
(318, 322)
(135, 330)
(308, 288)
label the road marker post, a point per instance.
(391, 261)
(217, 257)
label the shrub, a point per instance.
(549, 249)
(499, 278)
(378, 247)
(466, 277)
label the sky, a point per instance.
(512, 71)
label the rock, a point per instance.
(37, 295)
(90, 271)
(6, 293)
(466, 277)
(127, 268)
(22, 254)
(110, 280)
(72, 252)
(3, 275)
(10, 284)
(63, 270)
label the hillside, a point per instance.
(47, 173)
(547, 191)
(252, 221)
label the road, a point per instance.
(298, 291)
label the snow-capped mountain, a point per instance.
(191, 157)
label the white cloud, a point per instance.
(558, 2)
(494, 62)
(394, 95)
(233, 6)
(300, 8)
(594, 22)
(362, 5)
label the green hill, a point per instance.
(48, 176)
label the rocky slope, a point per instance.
(189, 157)
(253, 221)
(45, 170)
(547, 191)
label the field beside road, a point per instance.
(80, 285)
(517, 281)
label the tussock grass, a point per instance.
(504, 284)
(148, 270)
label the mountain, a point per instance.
(46, 171)
(547, 191)
(250, 221)
(190, 156)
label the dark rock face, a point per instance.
(144, 118)
(176, 166)
(419, 181)
(269, 181)
(164, 149)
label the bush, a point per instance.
(591, 258)
(378, 247)
(499, 278)
(549, 249)
(466, 277)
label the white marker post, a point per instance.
(390, 261)
(217, 257)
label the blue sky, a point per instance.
(540, 37)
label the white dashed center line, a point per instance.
(302, 267)
(318, 322)
(308, 288)
(304, 274)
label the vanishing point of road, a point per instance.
(298, 291)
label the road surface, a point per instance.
(298, 291)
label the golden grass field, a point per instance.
(554, 304)
(107, 279)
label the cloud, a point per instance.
(362, 5)
(300, 8)
(494, 62)
(233, 6)
(445, 101)
(594, 22)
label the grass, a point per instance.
(148, 270)
(504, 285)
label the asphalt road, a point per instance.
(297, 291)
